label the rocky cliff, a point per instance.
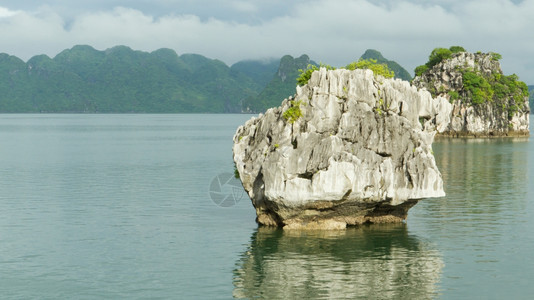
(348, 148)
(485, 102)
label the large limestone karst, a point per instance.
(485, 102)
(350, 147)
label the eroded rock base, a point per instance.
(491, 134)
(329, 215)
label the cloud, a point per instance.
(4, 12)
(333, 32)
(244, 6)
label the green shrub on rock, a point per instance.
(436, 56)
(293, 113)
(457, 49)
(495, 56)
(479, 88)
(371, 64)
(420, 70)
(454, 95)
(305, 75)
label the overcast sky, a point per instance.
(335, 32)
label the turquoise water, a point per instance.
(119, 207)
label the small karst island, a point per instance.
(354, 145)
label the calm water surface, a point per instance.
(119, 207)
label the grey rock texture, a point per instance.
(360, 151)
(492, 118)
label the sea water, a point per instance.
(144, 207)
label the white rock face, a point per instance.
(359, 152)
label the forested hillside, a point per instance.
(120, 79)
(281, 85)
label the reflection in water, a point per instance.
(378, 261)
(484, 173)
(483, 226)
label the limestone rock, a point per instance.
(348, 148)
(506, 114)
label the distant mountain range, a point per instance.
(281, 85)
(399, 71)
(122, 80)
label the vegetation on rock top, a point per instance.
(305, 74)
(438, 55)
(379, 69)
(372, 64)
